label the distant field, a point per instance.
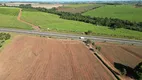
(8, 19)
(77, 5)
(53, 22)
(125, 12)
(77, 8)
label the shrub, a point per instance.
(98, 48)
(93, 43)
(124, 71)
(88, 32)
(88, 41)
(138, 71)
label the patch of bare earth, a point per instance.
(36, 58)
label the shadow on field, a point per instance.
(128, 71)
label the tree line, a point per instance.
(112, 23)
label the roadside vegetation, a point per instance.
(3, 38)
(8, 19)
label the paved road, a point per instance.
(127, 41)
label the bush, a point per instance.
(98, 48)
(124, 71)
(4, 36)
(88, 41)
(138, 71)
(93, 43)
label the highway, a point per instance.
(73, 36)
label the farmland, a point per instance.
(45, 5)
(77, 8)
(124, 12)
(8, 19)
(126, 55)
(38, 58)
(51, 22)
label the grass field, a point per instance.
(53, 22)
(125, 12)
(77, 8)
(8, 19)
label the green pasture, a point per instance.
(53, 22)
(124, 12)
(8, 19)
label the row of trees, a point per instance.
(110, 22)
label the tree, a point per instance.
(93, 43)
(98, 48)
(88, 41)
(124, 71)
(4, 4)
(88, 32)
(138, 71)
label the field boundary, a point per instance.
(23, 21)
(106, 65)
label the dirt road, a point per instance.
(35, 58)
(19, 19)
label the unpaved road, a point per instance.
(36, 58)
(19, 19)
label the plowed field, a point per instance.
(36, 58)
(124, 54)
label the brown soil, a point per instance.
(123, 54)
(33, 26)
(36, 58)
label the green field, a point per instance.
(125, 12)
(77, 5)
(52, 22)
(78, 8)
(8, 19)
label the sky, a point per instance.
(63, 0)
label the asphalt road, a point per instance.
(96, 38)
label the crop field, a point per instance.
(53, 22)
(124, 12)
(77, 8)
(126, 55)
(38, 58)
(77, 5)
(8, 19)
